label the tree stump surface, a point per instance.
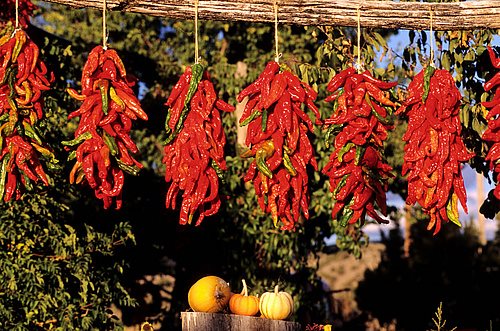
(195, 321)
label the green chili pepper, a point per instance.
(46, 153)
(31, 133)
(250, 118)
(27, 181)
(197, 73)
(265, 151)
(84, 136)
(386, 121)
(347, 213)
(429, 71)
(111, 143)
(104, 97)
(13, 117)
(341, 184)
(218, 171)
(262, 165)
(360, 151)
(331, 130)
(288, 164)
(11, 81)
(167, 128)
(264, 120)
(72, 155)
(132, 170)
(452, 215)
(3, 174)
(344, 150)
(8, 73)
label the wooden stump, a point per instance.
(193, 321)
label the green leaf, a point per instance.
(470, 56)
(446, 61)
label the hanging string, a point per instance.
(276, 41)
(358, 61)
(104, 32)
(431, 38)
(17, 14)
(196, 52)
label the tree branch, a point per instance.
(374, 14)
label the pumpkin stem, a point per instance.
(245, 289)
(276, 289)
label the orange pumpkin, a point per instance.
(276, 305)
(244, 304)
(210, 294)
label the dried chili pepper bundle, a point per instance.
(194, 148)
(492, 133)
(26, 8)
(356, 169)
(434, 149)
(277, 138)
(102, 139)
(24, 155)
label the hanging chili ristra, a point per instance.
(492, 132)
(360, 120)
(277, 138)
(194, 147)
(434, 148)
(24, 156)
(102, 139)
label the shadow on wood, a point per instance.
(194, 321)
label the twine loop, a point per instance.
(431, 37)
(104, 28)
(276, 38)
(196, 50)
(358, 65)
(17, 14)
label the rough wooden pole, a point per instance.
(241, 133)
(407, 238)
(480, 217)
(374, 14)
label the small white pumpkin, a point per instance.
(276, 305)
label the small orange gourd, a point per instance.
(276, 305)
(210, 294)
(244, 304)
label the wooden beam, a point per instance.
(469, 15)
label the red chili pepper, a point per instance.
(275, 116)
(108, 108)
(358, 176)
(492, 136)
(194, 152)
(495, 61)
(434, 149)
(21, 87)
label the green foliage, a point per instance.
(57, 266)
(55, 276)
